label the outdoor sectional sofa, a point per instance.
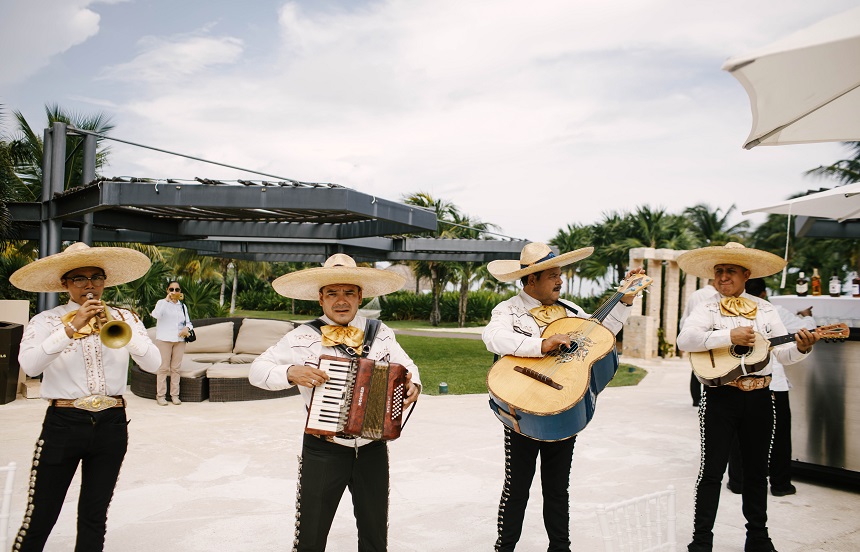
(216, 365)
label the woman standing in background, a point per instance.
(173, 326)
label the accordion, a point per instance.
(362, 398)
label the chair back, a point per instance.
(642, 524)
(6, 502)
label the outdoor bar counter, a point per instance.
(825, 429)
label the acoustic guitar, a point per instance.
(553, 397)
(720, 366)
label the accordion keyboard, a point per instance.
(328, 411)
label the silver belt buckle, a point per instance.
(96, 403)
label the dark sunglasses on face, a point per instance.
(81, 281)
(172, 289)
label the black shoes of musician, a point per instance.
(735, 487)
(783, 491)
(696, 404)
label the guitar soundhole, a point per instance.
(740, 350)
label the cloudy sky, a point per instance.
(529, 115)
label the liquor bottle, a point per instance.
(855, 286)
(802, 285)
(816, 282)
(835, 286)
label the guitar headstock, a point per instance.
(634, 284)
(833, 332)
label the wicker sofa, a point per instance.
(216, 365)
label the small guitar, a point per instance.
(720, 366)
(553, 397)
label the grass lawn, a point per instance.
(463, 364)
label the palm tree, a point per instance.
(846, 171)
(712, 229)
(571, 238)
(466, 271)
(438, 272)
(26, 149)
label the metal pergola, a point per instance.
(258, 220)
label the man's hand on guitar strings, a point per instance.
(805, 340)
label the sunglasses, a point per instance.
(172, 289)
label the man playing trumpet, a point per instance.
(83, 379)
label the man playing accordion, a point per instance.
(328, 465)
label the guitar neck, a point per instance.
(774, 341)
(601, 313)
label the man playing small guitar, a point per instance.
(741, 408)
(515, 329)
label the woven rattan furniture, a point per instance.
(216, 365)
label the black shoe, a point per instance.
(734, 487)
(783, 491)
(695, 404)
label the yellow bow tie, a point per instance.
(546, 314)
(738, 306)
(88, 329)
(342, 335)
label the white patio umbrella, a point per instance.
(806, 87)
(840, 203)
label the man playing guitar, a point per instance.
(742, 408)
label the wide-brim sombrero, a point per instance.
(338, 269)
(534, 257)
(701, 262)
(121, 265)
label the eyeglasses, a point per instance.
(81, 281)
(172, 289)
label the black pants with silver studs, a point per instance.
(520, 464)
(98, 442)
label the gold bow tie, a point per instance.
(546, 314)
(88, 329)
(738, 306)
(342, 335)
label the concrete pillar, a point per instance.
(655, 295)
(640, 337)
(671, 299)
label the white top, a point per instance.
(792, 323)
(75, 368)
(303, 346)
(171, 320)
(706, 328)
(697, 297)
(514, 331)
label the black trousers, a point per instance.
(98, 442)
(325, 471)
(520, 463)
(780, 454)
(725, 414)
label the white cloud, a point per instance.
(32, 32)
(168, 60)
(529, 116)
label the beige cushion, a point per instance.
(225, 370)
(209, 358)
(255, 336)
(217, 338)
(245, 358)
(192, 369)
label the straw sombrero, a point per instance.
(701, 262)
(338, 269)
(120, 264)
(534, 257)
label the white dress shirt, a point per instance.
(514, 331)
(699, 296)
(171, 319)
(75, 368)
(706, 328)
(793, 323)
(303, 346)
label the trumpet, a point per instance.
(114, 334)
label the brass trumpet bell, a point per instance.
(113, 333)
